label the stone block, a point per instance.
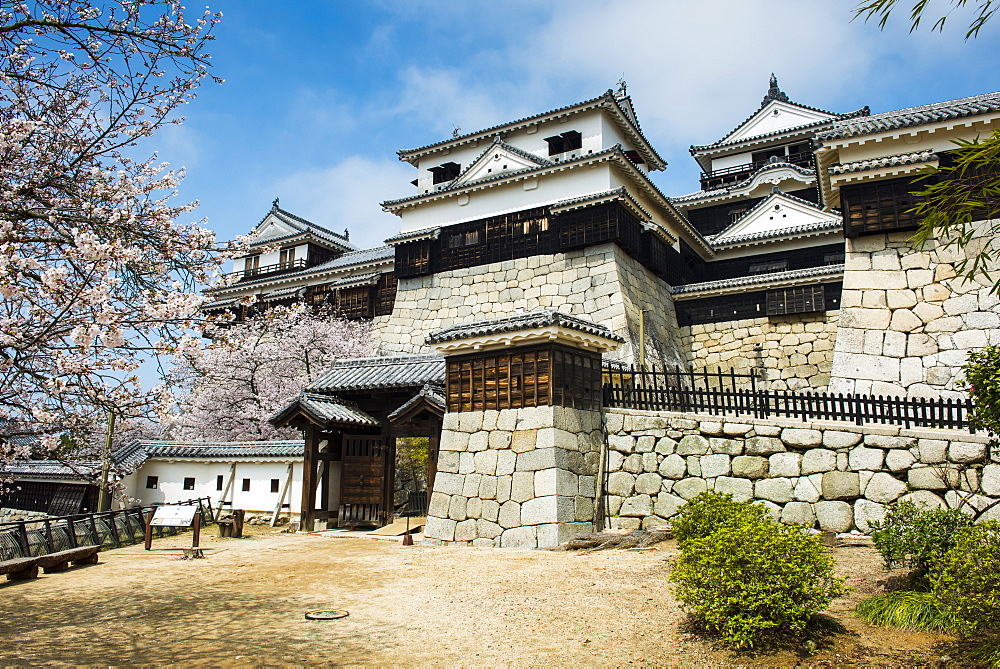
(785, 464)
(519, 537)
(645, 444)
(448, 461)
(666, 505)
(510, 515)
(499, 439)
(478, 441)
(470, 421)
(688, 488)
(884, 488)
(523, 441)
(887, 441)
(621, 443)
(778, 490)
(867, 512)
(506, 461)
(763, 446)
(448, 483)
(542, 458)
(504, 484)
(442, 529)
(736, 430)
(522, 486)
(805, 491)
(485, 462)
(439, 505)
(818, 460)
(840, 441)
(693, 444)
(715, 465)
(665, 446)
(489, 510)
(637, 506)
(648, 484)
(621, 483)
(650, 462)
(613, 422)
(471, 487)
(673, 467)
(584, 508)
(456, 508)
(991, 480)
(932, 451)
(550, 509)
(798, 513)
(726, 446)
(740, 489)
(466, 530)
(556, 482)
(710, 427)
(966, 452)
(932, 478)
(750, 467)
(860, 458)
(694, 465)
(834, 516)
(898, 460)
(841, 485)
(924, 498)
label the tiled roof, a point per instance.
(51, 469)
(913, 116)
(887, 161)
(302, 226)
(608, 97)
(721, 240)
(330, 409)
(538, 318)
(434, 394)
(759, 279)
(451, 188)
(697, 195)
(412, 371)
(864, 111)
(764, 202)
(133, 454)
(507, 147)
(414, 235)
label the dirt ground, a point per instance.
(245, 604)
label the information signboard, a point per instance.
(174, 516)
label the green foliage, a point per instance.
(749, 580)
(883, 8)
(982, 380)
(915, 536)
(708, 512)
(966, 581)
(906, 610)
(955, 195)
(987, 652)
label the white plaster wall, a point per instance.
(272, 257)
(171, 476)
(501, 199)
(909, 140)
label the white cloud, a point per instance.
(347, 195)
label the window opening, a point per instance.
(152, 482)
(768, 267)
(218, 482)
(246, 485)
(567, 141)
(287, 256)
(274, 485)
(459, 240)
(189, 483)
(445, 172)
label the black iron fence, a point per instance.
(720, 393)
(107, 529)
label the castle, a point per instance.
(791, 260)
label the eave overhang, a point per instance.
(744, 284)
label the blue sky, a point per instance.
(319, 96)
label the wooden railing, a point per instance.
(721, 393)
(736, 173)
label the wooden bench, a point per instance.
(20, 569)
(55, 562)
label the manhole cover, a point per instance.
(326, 614)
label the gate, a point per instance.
(362, 488)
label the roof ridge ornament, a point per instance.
(621, 92)
(773, 92)
(274, 205)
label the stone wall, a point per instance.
(835, 476)
(601, 284)
(792, 352)
(515, 478)
(907, 322)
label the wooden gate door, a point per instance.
(362, 487)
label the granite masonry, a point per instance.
(515, 478)
(907, 322)
(601, 283)
(790, 352)
(833, 476)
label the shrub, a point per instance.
(915, 536)
(907, 610)
(708, 511)
(966, 581)
(982, 380)
(752, 579)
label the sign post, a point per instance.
(177, 515)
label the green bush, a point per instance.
(708, 511)
(752, 579)
(982, 380)
(915, 537)
(966, 581)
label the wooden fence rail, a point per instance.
(107, 529)
(722, 392)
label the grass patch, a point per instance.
(906, 610)
(987, 652)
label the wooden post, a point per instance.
(197, 531)
(284, 491)
(149, 530)
(307, 510)
(225, 491)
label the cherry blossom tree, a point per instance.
(96, 272)
(251, 370)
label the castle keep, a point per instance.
(535, 252)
